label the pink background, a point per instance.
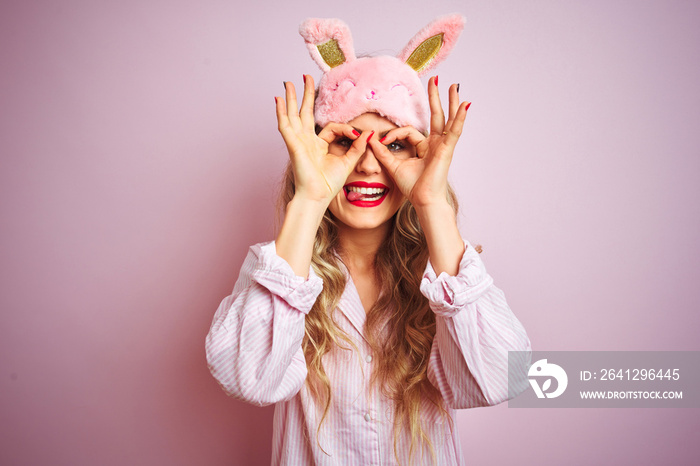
(140, 158)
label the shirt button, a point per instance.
(368, 417)
(368, 358)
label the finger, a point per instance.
(437, 116)
(455, 129)
(292, 108)
(307, 104)
(358, 147)
(454, 102)
(384, 155)
(281, 110)
(332, 130)
(408, 133)
(285, 128)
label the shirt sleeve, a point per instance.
(254, 344)
(475, 330)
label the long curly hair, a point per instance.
(401, 313)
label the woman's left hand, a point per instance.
(423, 179)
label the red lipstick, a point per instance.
(363, 194)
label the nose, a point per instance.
(368, 163)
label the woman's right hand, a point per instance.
(318, 175)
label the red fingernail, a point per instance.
(354, 131)
(370, 136)
(382, 139)
(304, 76)
(275, 100)
(436, 79)
(467, 107)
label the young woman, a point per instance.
(369, 319)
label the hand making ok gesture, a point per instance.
(318, 175)
(423, 179)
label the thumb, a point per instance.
(385, 157)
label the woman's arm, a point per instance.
(318, 175)
(254, 344)
(445, 244)
(254, 347)
(475, 330)
(423, 179)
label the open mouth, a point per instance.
(365, 194)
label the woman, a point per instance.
(368, 319)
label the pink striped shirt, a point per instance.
(254, 351)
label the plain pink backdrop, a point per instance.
(139, 160)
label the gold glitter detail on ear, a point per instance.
(425, 52)
(331, 53)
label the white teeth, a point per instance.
(357, 189)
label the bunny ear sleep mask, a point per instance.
(387, 85)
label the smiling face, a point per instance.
(369, 198)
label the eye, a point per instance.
(396, 146)
(401, 149)
(343, 142)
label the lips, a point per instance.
(363, 194)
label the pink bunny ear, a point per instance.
(329, 42)
(433, 43)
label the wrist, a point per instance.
(295, 239)
(313, 200)
(310, 209)
(431, 208)
(445, 245)
(433, 198)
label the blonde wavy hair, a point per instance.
(403, 351)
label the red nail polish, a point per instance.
(382, 139)
(304, 76)
(370, 136)
(436, 80)
(354, 131)
(275, 100)
(467, 107)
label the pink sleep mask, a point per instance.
(387, 85)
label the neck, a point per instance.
(359, 247)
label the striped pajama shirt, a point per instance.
(254, 351)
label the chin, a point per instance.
(368, 225)
(361, 218)
(357, 222)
